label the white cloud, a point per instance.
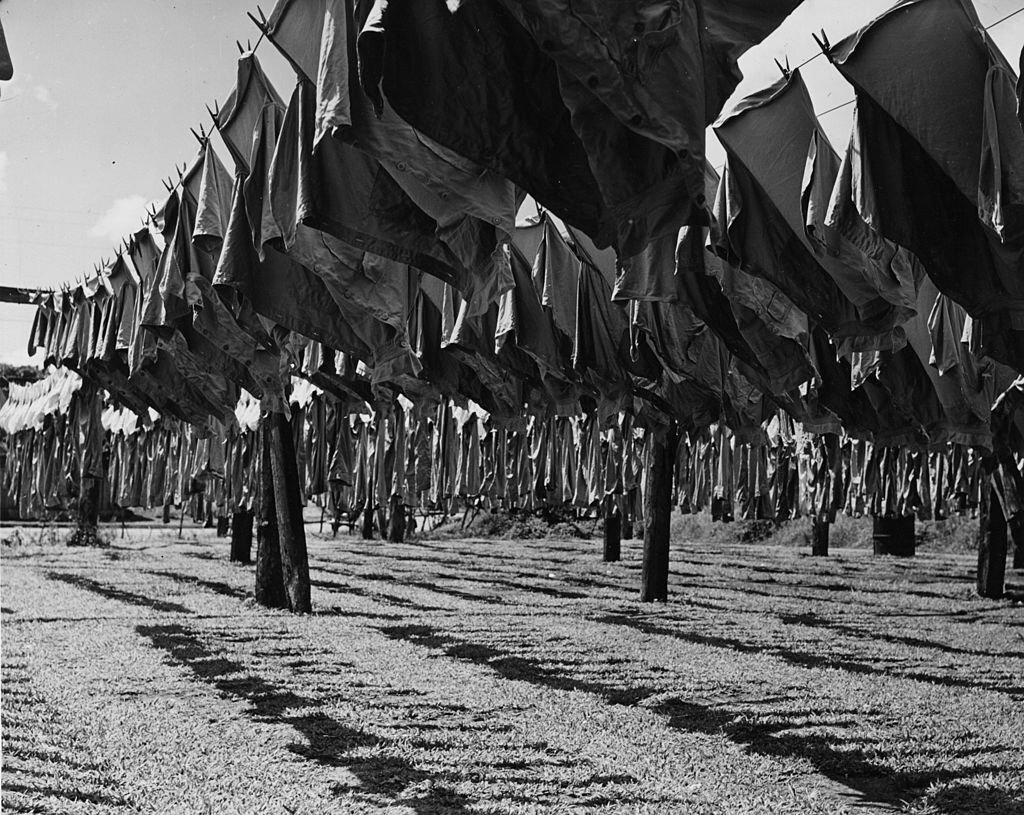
(120, 219)
(43, 96)
(3, 173)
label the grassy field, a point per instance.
(504, 676)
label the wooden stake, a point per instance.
(992, 542)
(291, 529)
(1016, 526)
(657, 518)
(241, 537)
(269, 582)
(819, 537)
(612, 530)
(396, 519)
(894, 536)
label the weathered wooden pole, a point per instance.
(396, 519)
(291, 529)
(819, 537)
(90, 469)
(657, 516)
(366, 528)
(1016, 527)
(1013, 489)
(992, 541)
(612, 530)
(88, 513)
(894, 536)
(241, 536)
(269, 581)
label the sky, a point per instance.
(104, 94)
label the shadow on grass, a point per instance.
(802, 658)
(960, 798)
(370, 594)
(76, 795)
(812, 620)
(328, 741)
(215, 586)
(120, 595)
(40, 764)
(845, 763)
(512, 667)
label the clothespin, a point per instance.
(785, 69)
(167, 185)
(241, 50)
(201, 136)
(261, 23)
(215, 112)
(181, 172)
(822, 41)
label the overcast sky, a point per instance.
(105, 92)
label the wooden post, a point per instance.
(657, 517)
(992, 542)
(893, 536)
(367, 526)
(88, 513)
(241, 537)
(1016, 527)
(291, 529)
(86, 411)
(396, 519)
(269, 582)
(167, 514)
(819, 537)
(612, 530)
(628, 511)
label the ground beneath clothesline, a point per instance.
(504, 676)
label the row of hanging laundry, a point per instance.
(446, 457)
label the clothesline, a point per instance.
(851, 101)
(989, 27)
(837, 107)
(1004, 19)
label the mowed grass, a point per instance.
(486, 676)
